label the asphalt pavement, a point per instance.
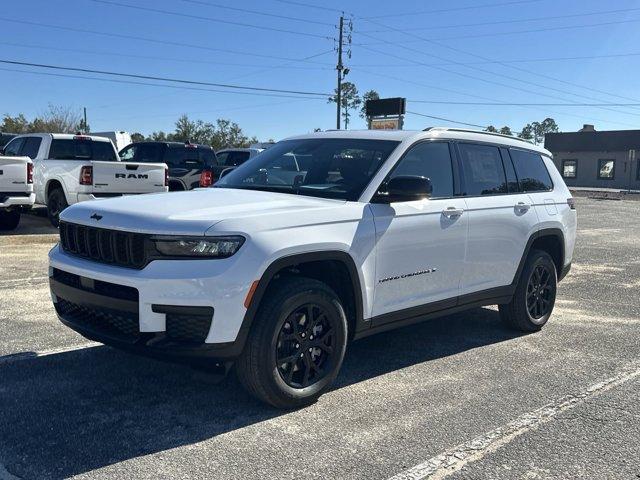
(457, 397)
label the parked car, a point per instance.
(16, 190)
(376, 230)
(74, 168)
(186, 161)
(120, 139)
(227, 160)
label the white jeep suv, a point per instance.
(280, 264)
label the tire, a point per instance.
(56, 203)
(276, 363)
(535, 296)
(9, 219)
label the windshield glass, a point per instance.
(331, 168)
(63, 149)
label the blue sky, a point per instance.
(475, 51)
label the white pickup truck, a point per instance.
(74, 168)
(16, 190)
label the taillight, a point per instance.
(29, 172)
(572, 203)
(86, 175)
(206, 178)
(166, 177)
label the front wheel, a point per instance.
(296, 345)
(535, 296)
(9, 219)
(56, 203)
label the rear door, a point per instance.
(501, 217)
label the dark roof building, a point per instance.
(588, 158)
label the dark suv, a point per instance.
(186, 161)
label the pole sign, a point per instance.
(386, 113)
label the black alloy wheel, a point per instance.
(304, 350)
(539, 292)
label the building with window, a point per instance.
(592, 159)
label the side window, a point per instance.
(151, 153)
(13, 147)
(127, 154)
(569, 168)
(482, 170)
(433, 161)
(531, 171)
(31, 147)
(606, 169)
(222, 158)
(512, 179)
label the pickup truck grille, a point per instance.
(114, 247)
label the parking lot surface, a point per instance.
(459, 396)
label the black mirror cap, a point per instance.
(408, 187)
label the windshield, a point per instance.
(331, 168)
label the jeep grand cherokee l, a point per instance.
(275, 272)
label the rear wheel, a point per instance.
(535, 295)
(297, 343)
(56, 203)
(9, 219)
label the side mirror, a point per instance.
(405, 188)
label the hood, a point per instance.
(188, 213)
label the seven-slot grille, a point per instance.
(124, 249)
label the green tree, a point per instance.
(527, 132)
(369, 95)
(349, 100)
(535, 131)
(56, 119)
(137, 137)
(505, 131)
(491, 129)
(193, 131)
(17, 124)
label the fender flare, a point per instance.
(545, 232)
(289, 261)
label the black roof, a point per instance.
(606, 141)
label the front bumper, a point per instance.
(9, 200)
(151, 303)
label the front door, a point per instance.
(420, 246)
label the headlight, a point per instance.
(199, 247)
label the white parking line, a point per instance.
(456, 458)
(17, 357)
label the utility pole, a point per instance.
(339, 68)
(85, 120)
(342, 71)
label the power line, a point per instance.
(487, 62)
(146, 39)
(170, 59)
(256, 12)
(210, 19)
(447, 120)
(453, 9)
(158, 78)
(282, 65)
(179, 87)
(515, 32)
(309, 5)
(458, 50)
(518, 20)
(515, 104)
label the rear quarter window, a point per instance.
(531, 170)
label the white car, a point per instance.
(277, 273)
(74, 168)
(16, 190)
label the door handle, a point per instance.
(523, 207)
(452, 212)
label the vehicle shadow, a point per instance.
(33, 222)
(69, 413)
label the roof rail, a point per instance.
(466, 130)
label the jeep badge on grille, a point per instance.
(96, 217)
